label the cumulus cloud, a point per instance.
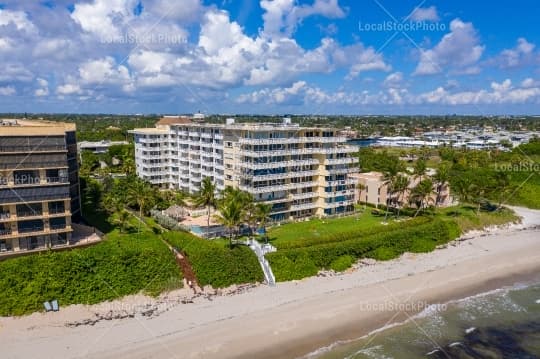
(282, 16)
(521, 54)
(458, 51)
(7, 91)
(301, 93)
(424, 14)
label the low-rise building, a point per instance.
(373, 189)
(99, 147)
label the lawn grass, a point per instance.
(301, 231)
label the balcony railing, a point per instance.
(280, 175)
(23, 214)
(276, 188)
(33, 149)
(257, 166)
(339, 161)
(303, 195)
(31, 229)
(56, 227)
(269, 141)
(299, 207)
(57, 180)
(5, 232)
(5, 215)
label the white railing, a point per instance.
(303, 195)
(269, 141)
(340, 161)
(339, 204)
(257, 166)
(276, 188)
(299, 207)
(280, 175)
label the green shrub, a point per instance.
(119, 266)
(215, 264)
(342, 263)
(299, 267)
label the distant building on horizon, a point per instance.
(39, 184)
(301, 171)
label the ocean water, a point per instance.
(500, 324)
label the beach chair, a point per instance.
(47, 306)
(55, 305)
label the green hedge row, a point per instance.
(216, 264)
(349, 234)
(119, 266)
(297, 263)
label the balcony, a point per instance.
(296, 196)
(341, 161)
(339, 204)
(260, 166)
(277, 188)
(31, 229)
(280, 175)
(57, 180)
(271, 141)
(300, 207)
(33, 149)
(5, 232)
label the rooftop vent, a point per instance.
(229, 121)
(286, 121)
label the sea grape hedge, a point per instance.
(297, 263)
(216, 264)
(119, 266)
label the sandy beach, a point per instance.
(286, 321)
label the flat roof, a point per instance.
(24, 127)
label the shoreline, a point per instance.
(292, 319)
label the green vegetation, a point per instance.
(300, 262)
(119, 266)
(215, 263)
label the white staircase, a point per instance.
(260, 251)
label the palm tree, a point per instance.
(206, 197)
(464, 187)
(441, 177)
(141, 193)
(262, 215)
(393, 169)
(421, 194)
(360, 187)
(121, 219)
(502, 187)
(420, 168)
(230, 216)
(401, 186)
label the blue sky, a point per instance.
(270, 56)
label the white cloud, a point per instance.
(69, 89)
(43, 89)
(521, 54)
(300, 93)
(458, 51)
(7, 91)
(282, 16)
(393, 80)
(18, 19)
(184, 11)
(104, 18)
(424, 14)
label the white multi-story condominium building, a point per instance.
(301, 171)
